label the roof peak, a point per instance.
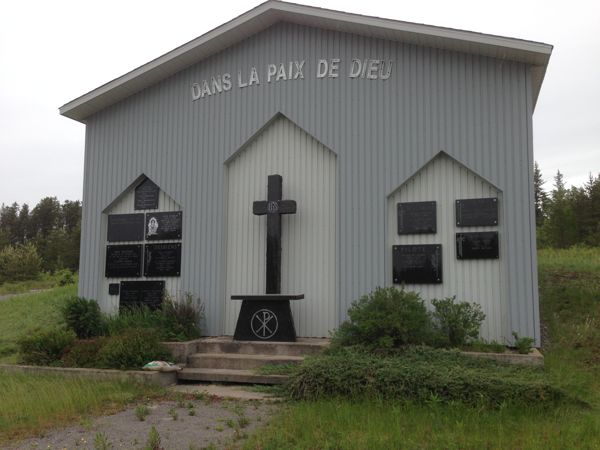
(274, 11)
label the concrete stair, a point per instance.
(221, 359)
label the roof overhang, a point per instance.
(267, 14)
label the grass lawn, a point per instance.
(24, 313)
(34, 403)
(570, 310)
(45, 281)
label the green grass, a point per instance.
(570, 312)
(371, 424)
(24, 313)
(32, 403)
(43, 282)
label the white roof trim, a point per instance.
(263, 16)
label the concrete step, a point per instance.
(238, 361)
(229, 376)
(226, 344)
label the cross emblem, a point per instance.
(274, 207)
(264, 323)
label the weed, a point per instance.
(101, 442)
(481, 345)
(200, 396)
(191, 412)
(243, 421)
(230, 423)
(189, 405)
(173, 413)
(277, 369)
(523, 344)
(153, 442)
(141, 412)
(180, 399)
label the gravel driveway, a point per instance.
(193, 423)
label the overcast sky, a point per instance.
(52, 52)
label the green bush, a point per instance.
(19, 263)
(45, 347)
(64, 277)
(84, 353)
(84, 317)
(181, 318)
(386, 318)
(131, 349)
(177, 320)
(457, 322)
(420, 374)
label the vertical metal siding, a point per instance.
(308, 242)
(474, 108)
(444, 181)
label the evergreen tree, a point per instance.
(560, 229)
(46, 216)
(24, 224)
(541, 197)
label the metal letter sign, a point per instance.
(264, 324)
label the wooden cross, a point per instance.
(274, 207)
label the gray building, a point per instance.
(407, 147)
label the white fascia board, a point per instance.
(273, 11)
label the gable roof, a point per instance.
(273, 11)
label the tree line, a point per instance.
(566, 217)
(45, 238)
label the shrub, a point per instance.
(177, 320)
(133, 317)
(523, 344)
(181, 318)
(457, 323)
(84, 353)
(131, 349)
(420, 374)
(45, 347)
(19, 263)
(386, 318)
(64, 277)
(84, 317)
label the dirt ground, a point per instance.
(190, 424)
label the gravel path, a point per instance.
(214, 423)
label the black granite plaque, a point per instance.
(123, 260)
(477, 212)
(113, 289)
(146, 195)
(141, 293)
(125, 227)
(417, 264)
(480, 245)
(162, 260)
(163, 225)
(417, 218)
